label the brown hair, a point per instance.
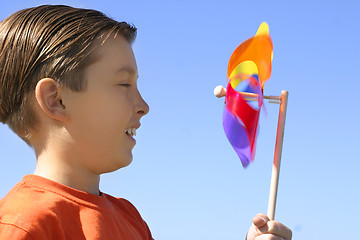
(52, 41)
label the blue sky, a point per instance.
(185, 179)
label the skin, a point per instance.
(265, 229)
(82, 135)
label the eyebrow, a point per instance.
(128, 69)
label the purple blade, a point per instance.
(237, 136)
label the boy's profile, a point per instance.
(68, 88)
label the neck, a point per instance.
(65, 169)
(72, 177)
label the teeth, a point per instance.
(131, 131)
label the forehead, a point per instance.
(114, 53)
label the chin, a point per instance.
(124, 162)
(117, 164)
(127, 163)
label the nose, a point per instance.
(142, 107)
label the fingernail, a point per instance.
(262, 218)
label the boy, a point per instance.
(68, 88)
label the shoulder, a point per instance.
(10, 231)
(26, 200)
(127, 210)
(124, 205)
(30, 212)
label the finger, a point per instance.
(269, 237)
(260, 220)
(276, 228)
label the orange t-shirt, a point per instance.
(40, 209)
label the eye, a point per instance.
(125, 85)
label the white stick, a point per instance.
(277, 155)
(220, 91)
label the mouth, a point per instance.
(131, 132)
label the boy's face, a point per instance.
(111, 104)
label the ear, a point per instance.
(48, 96)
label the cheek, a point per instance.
(102, 116)
(111, 119)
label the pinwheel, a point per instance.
(248, 69)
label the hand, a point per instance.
(265, 229)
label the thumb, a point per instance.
(260, 220)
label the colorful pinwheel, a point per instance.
(248, 69)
